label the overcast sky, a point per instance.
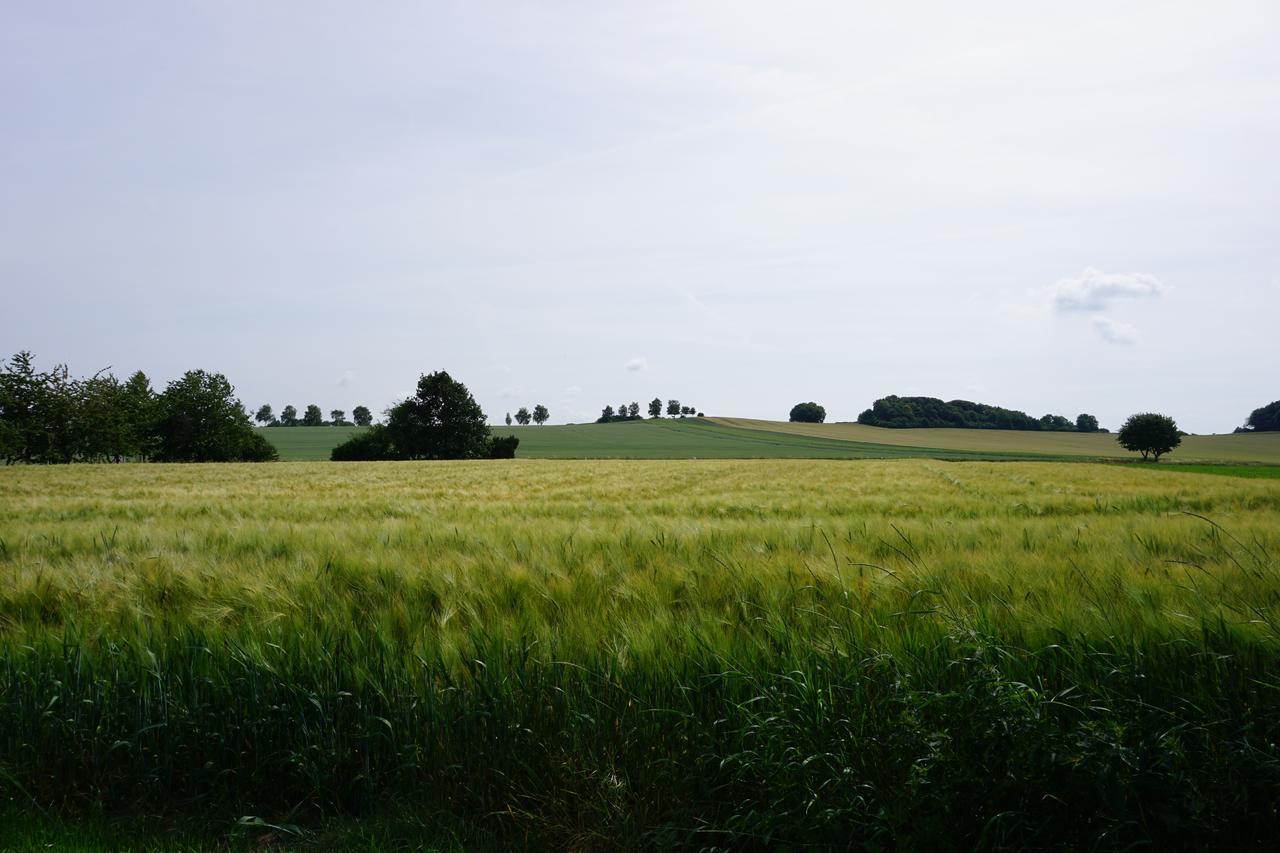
(1053, 207)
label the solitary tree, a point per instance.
(540, 414)
(289, 416)
(362, 416)
(523, 417)
(265, 415)
(633, 411)
(338, 417)
(508, 419)
(808, 413)
(1264, 419)
(1150, 434)
(1086, 423)
(313, 416)
(655, 408)
(673, 408)
(440, 421)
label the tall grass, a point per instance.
(600, 654)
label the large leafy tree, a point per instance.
(201, 420)
(265, 415)
(440, 421)
(523, 417)
(1150, 434)
(1086, 423)
(1265, 418)
(289, 416)
(807, 413)
(313, 416)
(362, 416)
(540, 414)
(655, 408)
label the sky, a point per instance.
(1052, 207)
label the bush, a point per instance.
(808, 413)
(503, 447)
(369, 446)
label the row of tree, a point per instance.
(540, 415)
(921, 412)
(631, 411)
(50, 417)
(1263, 419)
(312, 416)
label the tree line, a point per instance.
(52, 417)
(631, 411)
(930, 412)
(312, 416)
(540, 415)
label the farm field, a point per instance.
(587, 654)
(1259, 447)
(658, 439)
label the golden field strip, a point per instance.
(1258, 447)
(570, 653)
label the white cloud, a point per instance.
(1113, 332)
(637, 364)
(1095, 290)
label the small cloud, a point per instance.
(638, 364)
(347, 377)
(1095, 290)
(1115, 333)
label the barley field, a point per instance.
(601, 654)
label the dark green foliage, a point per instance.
(362, 416)
(1264, 419)
(673, 408)
(807, 413)
(540, 414)
(503, 447)
(655, 408)
(624, 413)
(338, 417)
(264, 415)
(633, 410)
(441, 421)
(370, 446)
(523, 417)
(1150, 434)
(288, 416)
(1086, 423)
(313, 416)
(200, 420)
(919, 412)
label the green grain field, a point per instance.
(554, 654)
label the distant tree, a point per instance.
(655, 408)
(200, 420)
(338, 417)
(523, 417)
(1056, 423)
(508, 419)
(540, 414)
(265, 415)
(1150, 434)
(369, 446)
(362, 416)
(313, 416)
(440, 421)
(633, 411)
(673, 408)
(1264, 419)
(1086, 423)
(808, 413)
(288, 416)
(139, 405)
(622, 410)
(606, 414)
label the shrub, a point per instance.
(808, 413)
